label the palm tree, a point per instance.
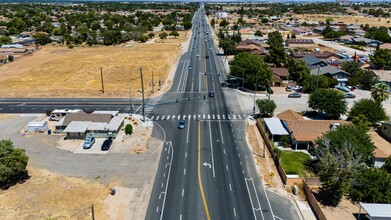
(380, 92)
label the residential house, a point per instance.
(332, 71)
(385, 129)
(13, 51)
(299, 42)
(314, 62)
(346, 39)
(251, 48)
(81, 116)
(279, 75)
(359, 33)
(367, 41)
(383, 76)
(304, 133)
(318, 29)
(382, 151)
(247, 31)
(302, 31)
(386, 46)
(318, 54)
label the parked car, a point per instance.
(211, 94)
(351, 88)
(106, 144)
(342, 88)
(349, 96)
(224, 84)
(181, 124)
(288, 88)
(88, 142)
(294, 95)
(298, 88)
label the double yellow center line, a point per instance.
(199, 173)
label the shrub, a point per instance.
(128, 129)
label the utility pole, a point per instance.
(142, 91)
(130, 99)
(317, 82)
(92, 212)
(101, 78)
(153, 85)
(256, 85)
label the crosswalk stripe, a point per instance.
(194, 117)
(179, 117)
(239, 117)
(173, 117)
(163, 117)
(189, 117)
(199, 116)
(152, 117)
(208, 116)
(213, 117)
(218, 117)
(203, 116)
(234, 117)
(229, 117)
(184, 116)
(168, 117)
(157, 118)
(223, 117)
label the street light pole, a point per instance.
(142, 91)
(153, 90)
(130, 99)
(256, 85)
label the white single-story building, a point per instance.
(37, 126)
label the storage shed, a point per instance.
(37, 126)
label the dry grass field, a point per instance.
(347, 19)
(48, 195)
(56, 71)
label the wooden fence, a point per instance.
(312, 201)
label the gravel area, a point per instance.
(128, 170)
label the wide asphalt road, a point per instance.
(206, 170)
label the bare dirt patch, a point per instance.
(6, 116)
(49, 195)
(56, 71)
(348, 19)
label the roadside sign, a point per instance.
(271, 174)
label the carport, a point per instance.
(376, 211)
(77, 129)
(275, 127)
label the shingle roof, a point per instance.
(316, 54)
(328, 70)
(290, 115)
(310, 130)
(311, 60)
(82, 116)
(280, 71)
(383, 147)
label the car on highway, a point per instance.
(349, 96)
(190, 67)
(106, 144)
(181, 124)
(88, 142)
(294, 95)
(211, 94)
(206, 57)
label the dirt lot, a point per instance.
(347, 19)
(57, 71)
(49, 195)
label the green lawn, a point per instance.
(294, 163)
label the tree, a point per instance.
(5, 40)
(371, 185)
(264, 20)
(163, 35)
(293, 36)
(258, 33)
(224, 23)
(266, 107)
(251, 64)
(277, 54)
(151, 35)
(13, 162)
(371, 109)
(387, 165)
(128, 129)
(228, 46)
(213, 22)
(380, 92)
(41, 39)
(174, 33)
(361, 121)
(313, 82)
(298, 69)
(381, 59)
(329, 101)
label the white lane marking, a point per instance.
(238, 155)
(226, 166)
(163, 117)
(152, 118)
(186, 157)
(162, 185)
(251, 200)
(221, 133)
(241, 163)
(188, 132)
(230, 187)
(157, 209)
(183, 192)
(164, 174)
(211, 152)
(243, 171)
(168, 179)
(234, 212)
(168, 117)
(278, 217)
(184, 172)
(224, 151)
(218, 117)
(180, 217)
(237, 148)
